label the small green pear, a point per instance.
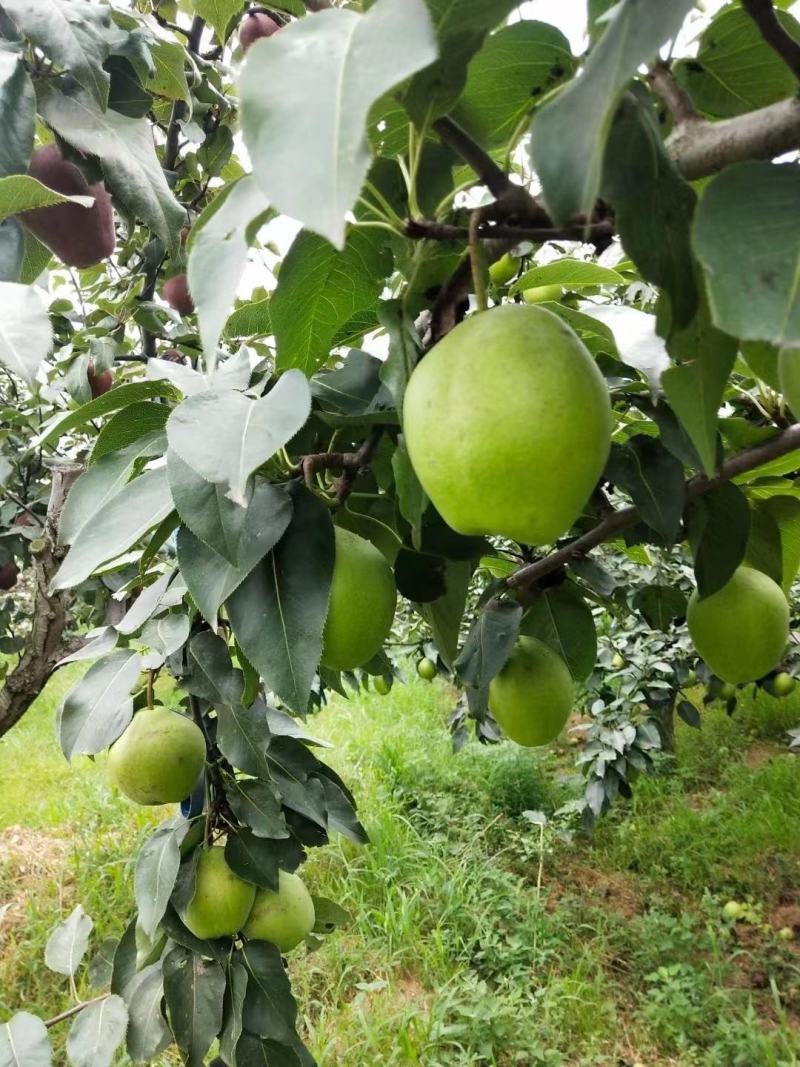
(285, 918)
(503, 269)
(222, 900)
(540, 294)
(426, 669)
(159, 757)
(381, 686)
(532, 695)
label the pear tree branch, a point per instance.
(763, 13)
(615, 522)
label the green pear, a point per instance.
(426, 669)
(285, 918)
(361, 606)
(503, 269)
(532, 696)
(742, 629)
(539, 294)
(507, 421)
(222, 900)
(159, 757)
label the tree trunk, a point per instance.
(50, 615)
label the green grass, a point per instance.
(455, 956)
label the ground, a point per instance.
(477, 938)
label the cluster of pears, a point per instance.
(158, 760)
(508, 425)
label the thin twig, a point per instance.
(74, 1010)
(491, 175)
(429, 229)
(363, 458)
(614, 523)
(672, 93)
(765, 17)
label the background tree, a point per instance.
(230, 491)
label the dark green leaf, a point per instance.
(256, 859)
(653, 478)
(269, 1009)
(116, 398)
(353, 394)
(562, 620)
(660, 605)
(486, 650)
(444, 614)
(156, 870)
(98, 707)
(127, 94)
(233, 1005)
(194, 989)
(256, 804)
(129, 425)
(718, 525)
(689, 713)
(18, 108)
(148, 1033)
(404, 349)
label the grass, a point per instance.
(478, 938)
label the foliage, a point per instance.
(229, 405)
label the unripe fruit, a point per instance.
(617, 661)
(691, 676)
(783, 684)
(222, 900)
(381, 686)
(79, 236)
(507, 422)
(361, 605)
(426, 669)
(741, 630)
(9, 572)
(733, 910)
(727, 692)
(99, 383)
(786, 933)
(541, 293)
(285, 918)
(254, 26)
(176, 293)
(159, 757)
(503, 269)
(532, 696)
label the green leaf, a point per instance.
(353, 395)
(128, 426)
(774, 544)
(243, 737)
(405, 349)
(486, 650)
(653, 478)
(127, 153)
(115, 399)
(35, 259)
(461, 28)
(411, 497)
(571, 273)
(348, 62)
(569, 133)
(320, 289)
(18, 108)
(98, 707)
(218, 250)
(762, 359)
(24, 1042)
(194, 988)
(257, 805)
(270, 1009)
(156, 870)
(26, 336)
(73, 34)
(660, 605)
(563, 621)
(250, 320)
(68, 943)
(718, 525)
(258, 859)
(125, 519)
(97, 1032)
(148, 1033)
(12, 250)
(169, 79)
(225, 436)
(234, 999)
(516, 67)
(747, 237)
(763, 550)
(218, 14)
(278, 612)
(735, 70)
(444, 614)
(127, 95)
(653, 205)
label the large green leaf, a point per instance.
(562, 620)
(514, 69)
(24, 1042)
(26, 335)
(735, 70)
(718, 525)
(114, 400)
(169, 79)
(224, 437)
(572, 273)
(99, 707)
(68, 943)
(461, 28)
(279, 611)
(319, 290)
(194, 988)
(309, 148)
(747, 237)
(156, 870)
(444, 614)
(97, 1031)
(74, 34)
(218, 250)
(18, 108)
(653, 478)
(569, 133)
(404, 349)
(218, 13)
(123, 521)
(127, 153)
(148, 1033)
(270, 1009)
(486, 649)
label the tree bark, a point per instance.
(46, 644)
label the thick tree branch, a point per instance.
(672, 93)
(350, 464)
(429, 229)
(179, 107)
(702, 148)
(491, 175)
(45, 645)
(765, 17)
(617, 521)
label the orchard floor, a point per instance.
(477, 939)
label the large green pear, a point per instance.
(532, 696)
(742, 629)
(361, 606)
(159, 757)
(222, 900)
(507, 421)
(285, 918)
